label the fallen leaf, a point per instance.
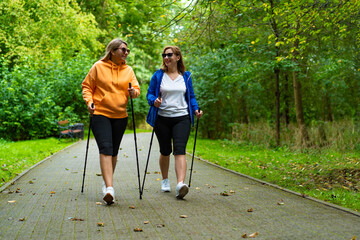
(76, 219)
(158, 179)
(22, 219)
(138, 229)
(353, 238)
(244, 235)
(31, 182)
(146, 222)
(132, 207)
(100, 224)
(232, 191)
(52, 192)
(250, 210)
(12, 201)
(99, 174)
(156, 172)
(254, 235)
(160, 225)
(183, 216)
(17, 190)
(197, 188)
(98, 203)
(224, 193)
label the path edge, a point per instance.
(12, 181)
(332, 205)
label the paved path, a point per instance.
(51, 205)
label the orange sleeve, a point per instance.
(88, 87)
(135, 84)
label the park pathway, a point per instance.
(47, 203)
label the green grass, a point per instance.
(328, 175)
(15, 157)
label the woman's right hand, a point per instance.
(158, 102)
(91, 108)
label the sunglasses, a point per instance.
(169, 55)
(124, 50)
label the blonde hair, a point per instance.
(180, 64)
(114, 44)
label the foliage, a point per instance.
(311, 45)
(48, 47)
(37, 31)
(33, 99)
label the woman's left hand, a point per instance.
(198, 114)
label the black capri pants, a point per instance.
(175, 128)
(108, 133)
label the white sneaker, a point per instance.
(181, 190)
(165, 185)
(104, 188)
(109, 196)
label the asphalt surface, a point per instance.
(47, 203)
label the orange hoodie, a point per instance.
(106, 85)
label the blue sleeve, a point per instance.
(151, 93)
(193, 101)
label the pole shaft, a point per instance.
(192, 161)
(86, 154)
(136, 152)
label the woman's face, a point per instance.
(170, 58)
(120, 53)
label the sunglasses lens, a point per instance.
(125, 50)
(169, 55)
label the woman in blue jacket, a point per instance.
(175, 109)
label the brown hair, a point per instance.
(180, 63)
(114, 44)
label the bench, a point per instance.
(73, 131)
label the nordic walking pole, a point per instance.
(148, 157)
(87, 148)
(192, 161)
(136, 152)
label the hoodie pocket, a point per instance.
(112, 102)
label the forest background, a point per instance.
(271, 73)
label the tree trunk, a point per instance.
(329, 114)
(297, 95)
(277, 96)
(245, 115)
(277, 73)
(299, 110)
(286, 100)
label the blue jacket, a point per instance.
(153, 93)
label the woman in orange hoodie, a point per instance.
(106, 93)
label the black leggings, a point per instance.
(175, 128)
(108, 133)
